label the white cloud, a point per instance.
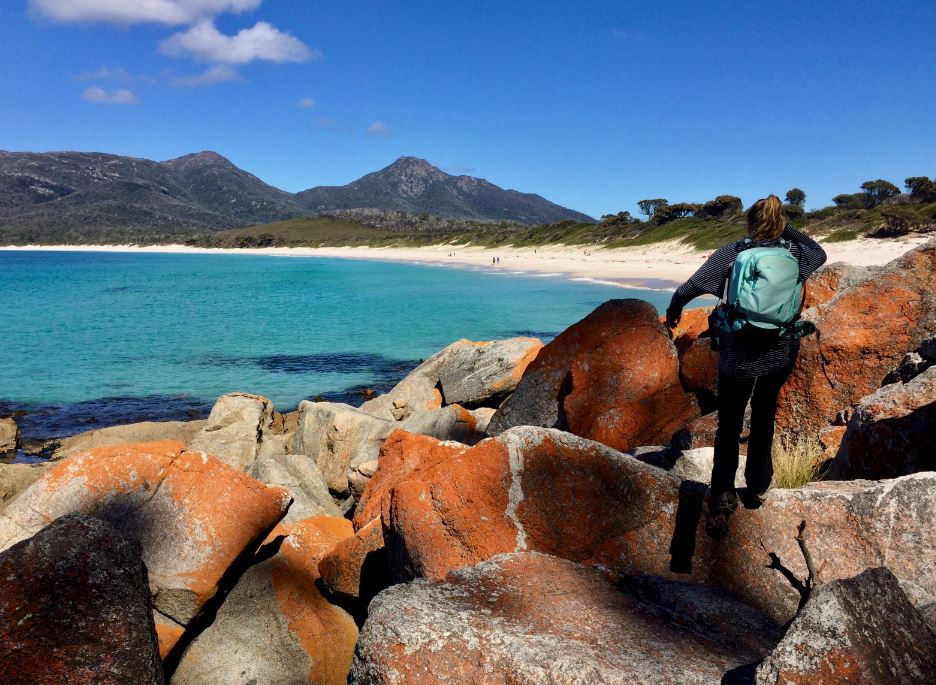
(217, 73)
(121, 96)
(378, 129)
(306, 103)
(265, 42)
(126, 12)
(107, 74)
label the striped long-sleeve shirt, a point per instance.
(749, 355)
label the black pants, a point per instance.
(733, 396)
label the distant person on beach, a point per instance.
(757, 349)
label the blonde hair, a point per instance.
(765, 220)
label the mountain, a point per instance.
(414, 185)
(84, 197)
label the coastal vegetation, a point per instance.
(879, 210)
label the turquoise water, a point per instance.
(93, 339)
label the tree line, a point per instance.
(895, 207)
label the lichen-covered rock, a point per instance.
(14, 478)
(466, 371)
(235, 429)
(698, 367)
(299, 475)
(527, 619)
(191, 514)
(866, 330)
(275, 626)
(860, 631)
(356, 568)
(144, 431)
(9, 438)
(444, 506)
(692, 325)
(75, 608)
(834, 278)
(892, 432)
(612, 377)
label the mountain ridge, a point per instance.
(68, 195)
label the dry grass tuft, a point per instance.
(798, 463)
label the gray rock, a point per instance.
(338, 437)
(465, 371)
(526, 619)
(298, 474)
(862, 630)
(14, 478)
(690, 464)
(448, 423)
(75, 608)
(486, 372)
(360, 475)
(9, 438)
(235, 429)
(144, 431)
(274, 627)
(891, 433)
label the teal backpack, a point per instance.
(763, 291)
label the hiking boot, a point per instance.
(721, 507)
(751, 499)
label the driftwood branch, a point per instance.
(805, 586)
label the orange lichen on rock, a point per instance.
(326, 633)
(191, 514)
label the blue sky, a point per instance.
(592, 105)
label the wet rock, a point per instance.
(9, 438)
(192, 515)
(866, 331)
(472, 372)
(299, 475)
(526, 619)
(860, 630)
(891, 433)
(14, 478)
(275, 626)
(612, 377)
(75, 608)
(444, 506)
(235, 429)
(144, 431)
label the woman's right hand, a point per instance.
(672, 318)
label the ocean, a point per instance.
(93, 339)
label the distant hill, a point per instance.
(414, 185)
(86, 197)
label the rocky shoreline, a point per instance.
(509, 512)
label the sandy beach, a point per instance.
(662, 265)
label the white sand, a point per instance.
(662, 265)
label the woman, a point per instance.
(753, 364)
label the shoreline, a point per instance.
(659, 266)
